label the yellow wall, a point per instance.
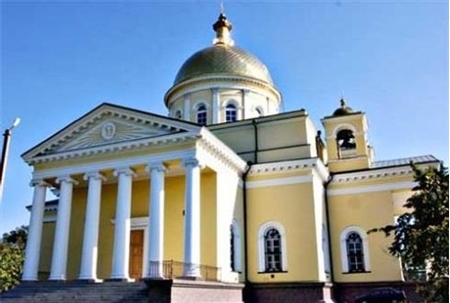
(276, 141)
(45, 262)
(368, 211)
(291, 206)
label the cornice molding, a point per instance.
(113, 163)
(220, 151)
(314, 164)
(373, 174)
(114, 148)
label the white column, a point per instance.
(61, 242)
(121, 252)
(192, 219)
(155, 256)
(88, 270)
(215, 105)
(33, 249)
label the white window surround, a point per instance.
(362, 233)
(343, 126)
(199, 103)
(231, 102)
(237, 246)
(261, 251)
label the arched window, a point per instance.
(235, 247)
(230, 113)
(355, 253)
(201, 115)
(178, 114)
(354, 250)
(346, 139)
(272, 248)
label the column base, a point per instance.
(130, 280)
(29, 279)
(192, 278)
(89, 280)
(156, 278)
(57, 279)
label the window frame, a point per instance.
(344, 251)
(201, 110)
(231, 112)
(262, 246)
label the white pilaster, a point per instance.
(215, 105)
(155, 256)
(61, 242)
(187, 107)
(121, 252)
(88, 270)
(243, 115)
(192, 219)
(33, 248)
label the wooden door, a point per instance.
(136, 253)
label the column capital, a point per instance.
(191, 162)
(39, 182)
(127, 171)
(214, 90)
(158, 166)
(94, 175)
(66, 179)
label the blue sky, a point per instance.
(60, 59)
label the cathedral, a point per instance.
(226, 195)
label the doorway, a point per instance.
(136, 253)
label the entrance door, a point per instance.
(136, 253)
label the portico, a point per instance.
(175, 190)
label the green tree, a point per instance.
(12, 254)
(421, 233)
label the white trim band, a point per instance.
(371, 188)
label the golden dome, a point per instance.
(223, 60)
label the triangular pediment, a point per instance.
(109, 125)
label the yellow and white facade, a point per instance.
(226, 181)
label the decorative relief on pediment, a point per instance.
(108, 131)
(112, 131)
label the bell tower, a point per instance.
(346, 138)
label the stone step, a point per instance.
(74, 292)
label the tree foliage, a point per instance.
(12, 255)
(421, 233)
